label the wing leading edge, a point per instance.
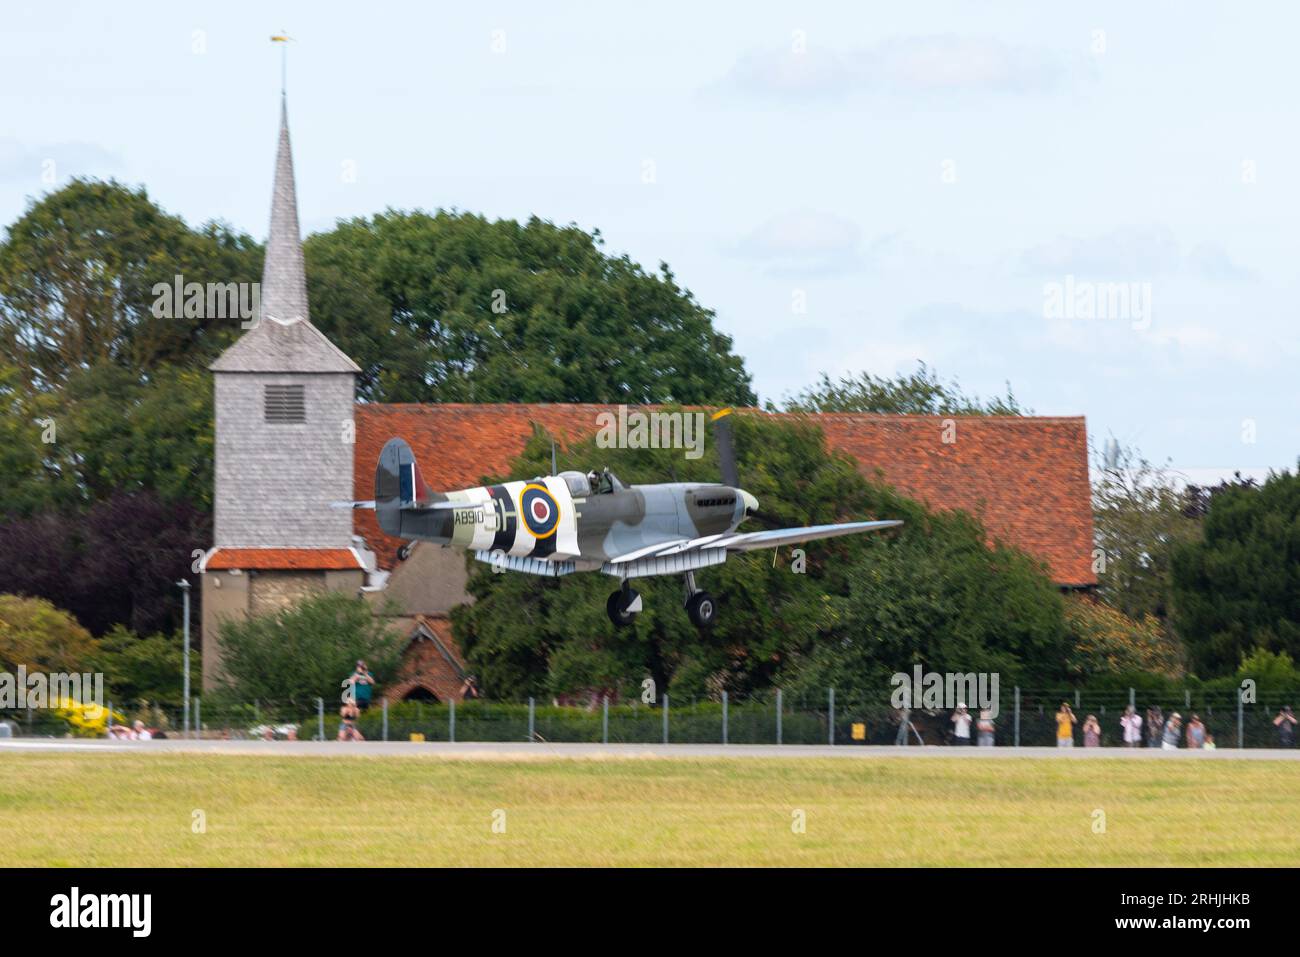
(749, 541)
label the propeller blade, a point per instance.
(726, 448)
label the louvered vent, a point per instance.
(285, 404)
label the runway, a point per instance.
(525, 751)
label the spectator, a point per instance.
(1195, 733)
(1091, 732)
(904, 722)
(348, 730)
(1285, 723)
(1155, 726)
(1209, 742)
(1131, 722)
(961, 722)
(1065, 720)
(985, 728)
(362, 685)
(139, 732)
(1173, 727)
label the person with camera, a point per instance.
(1065, 721)
(1285, 723)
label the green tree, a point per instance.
(304, 652)
(1105, 641)
(1237, 588)
(33, 632)
(139, 668)
(940, 597)
(77, 277)
(452, 307)
(1271, 671)
(917, 393)
(1139, 519)
(31, 476)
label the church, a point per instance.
(291, 439)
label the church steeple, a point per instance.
(284, 278)
(283, 338)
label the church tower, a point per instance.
(284, 401)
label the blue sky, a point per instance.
(850, 186)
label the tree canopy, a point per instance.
(77, 274)
(1237, 588)
(305, 651)
(1140, 517)
(453, 307)
(916, 393)
(34, 633)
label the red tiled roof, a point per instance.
(284, 559)
(1026, 478)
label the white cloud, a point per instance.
(942, 63)
(19, 162)
(1130, 253)
(803, 242)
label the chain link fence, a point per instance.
(1024, 717)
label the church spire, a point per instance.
(288, 342)
(284, 278)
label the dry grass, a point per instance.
(136, 810)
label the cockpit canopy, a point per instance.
(582, 484)
(579, 484)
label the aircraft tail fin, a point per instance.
(398, 485)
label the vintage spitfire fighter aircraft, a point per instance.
(555, 525)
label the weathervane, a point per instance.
(283, 38)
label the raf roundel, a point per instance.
(540, 512)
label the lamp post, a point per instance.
(184, 586)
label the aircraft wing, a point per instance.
(749, 541)
(772, 538)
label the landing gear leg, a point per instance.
(700, 606)
(624, 605)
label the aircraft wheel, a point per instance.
(702, 608)
(404, 551)
(623, 606)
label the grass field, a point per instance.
(137, 810)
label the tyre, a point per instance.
(618, 607)
(702, 609)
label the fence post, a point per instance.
(665, 717)
(1132, 698)
(385, 701)
(110, 719)
(1077, 705)
(778, 716)
(724, 717)
(198, 717)
(532, 721)
(1241, 728)
(451, 723)
(320, 717)
(604, 720)
(1187, 699)
(1017, 716)
(830, 712)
